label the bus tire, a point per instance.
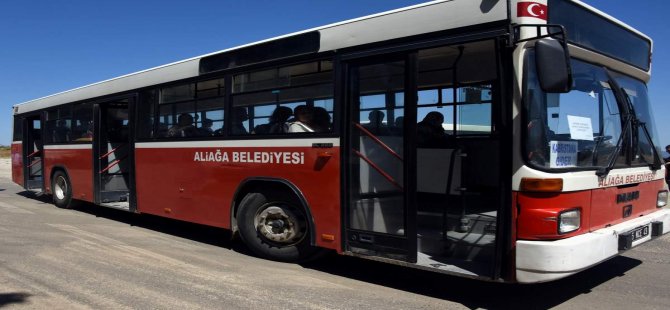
(61, 190)
(274, 226)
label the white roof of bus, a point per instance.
(420, 18)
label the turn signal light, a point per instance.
(541, 185)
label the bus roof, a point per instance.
(421, 18)
(434, 16)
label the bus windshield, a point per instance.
(582, 128)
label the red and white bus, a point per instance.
(501, 140)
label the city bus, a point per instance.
(499, 140)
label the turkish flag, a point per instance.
(531, 9)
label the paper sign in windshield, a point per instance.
(563, 154)
(580, 128)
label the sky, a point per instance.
(51, 46)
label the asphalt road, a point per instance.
(96, 258)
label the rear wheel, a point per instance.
(274, 226)
(61, 190)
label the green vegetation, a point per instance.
(4, 151)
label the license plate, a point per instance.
(640, 232)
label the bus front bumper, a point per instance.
(541, 261)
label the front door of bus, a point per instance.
(424, 157)
(380, 221)
(113, 151)
(33, 154)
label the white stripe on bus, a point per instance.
(69, 147)
(240, 143)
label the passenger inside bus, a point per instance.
(376, 125)
(206, 129)
(322, 122)
(277, 122)
(303, 121)
(430, 133)
(399, 125)
(240, 115)
(84, 133)
(61, 132)
(184, 127)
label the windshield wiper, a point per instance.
(630, 122)
(621, 102)
(603, 171)
(636, 123)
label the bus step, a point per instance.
(121, 205)
(36, 191)
(471, 247)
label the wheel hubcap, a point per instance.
(60, 188)
(279, 224)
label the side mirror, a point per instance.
(553, 66)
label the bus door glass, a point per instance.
(424, 158)
(33, 154)
(457, 158)
(113, 150)
(378, 222)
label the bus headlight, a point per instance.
(569, 221)
(662, 199)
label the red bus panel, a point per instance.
(611, 201)
(78, 164)
(538, 212)
(198, 184)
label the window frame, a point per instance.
(227, 77)
(524, 119)
(333, 82)
(455, 132)
(17, 125)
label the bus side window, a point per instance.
(209, 107)
(277, 123)
(190, 110)
(82, 122)
(267, 101)
(59, 124)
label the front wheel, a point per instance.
(274, 226)
(61, 190)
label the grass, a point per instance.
(4, 151)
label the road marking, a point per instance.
(14, 209)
